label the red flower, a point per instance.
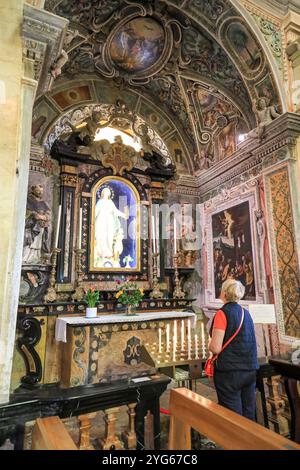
(118, 281)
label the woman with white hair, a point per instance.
(236, 364)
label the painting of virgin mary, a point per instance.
(115, 226)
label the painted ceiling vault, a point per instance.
(191, 69)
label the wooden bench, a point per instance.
(227, 429)
(51, 434)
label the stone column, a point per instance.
(15, 136)
(29, 39)
(291, 27)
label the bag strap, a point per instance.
(236, 333)
(232, 337)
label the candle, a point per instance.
(189, 350)
(175, 332)
(159, 340)
(189, 339)
(182, 335)
(57, 227)
(203, 339)
(80, 228)
(175, 237)
(168, 337)
(196, 347)
(174, 349)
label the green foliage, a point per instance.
(129, 293)
(91, 297)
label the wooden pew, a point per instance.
(227, 429)
(51, 434)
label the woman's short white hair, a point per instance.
(233, 290)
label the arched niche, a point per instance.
(77, 98)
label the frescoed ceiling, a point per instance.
(196, 61)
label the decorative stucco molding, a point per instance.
(43, 35)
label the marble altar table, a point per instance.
(107, 348)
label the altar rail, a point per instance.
(227, 429)
(28, 405)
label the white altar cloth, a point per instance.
(62, 322)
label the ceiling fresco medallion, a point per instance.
(137, 45)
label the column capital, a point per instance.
(291, 26)
(43, 35)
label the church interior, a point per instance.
(149, 152)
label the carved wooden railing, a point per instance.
(45, 432)
(227, 429)
(51, 434)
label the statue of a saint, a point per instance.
(109, 233)
(36, 227)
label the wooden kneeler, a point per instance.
(226, 428)
(51, 434)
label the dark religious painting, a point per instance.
(244, 45)
(232, 248)
(115, 231)
(138, 44)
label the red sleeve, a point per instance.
(220, 320)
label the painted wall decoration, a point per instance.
(232, 248)
(42, 115)
(212, 107)
(265, 89)
(115, 229)
(137, 45)
(226, 142)
(286, 259)
(246, 49)
(69, 97)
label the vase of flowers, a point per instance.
(130, 295)
(91, 298)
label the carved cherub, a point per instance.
(265, 114)
(59, 63)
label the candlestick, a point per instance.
(182, 335)
(51, 294)
(189, 339)
(175, 236)
(174, 349)
(156, 293)
(159, 340)
(203, 340)
(80, 228)
(175, 332)
(178, 292)
(168, 337)
(196, 347)
(79, 291)
(57, 227)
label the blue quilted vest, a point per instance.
(241, 353)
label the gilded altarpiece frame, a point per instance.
(286, 272)
(246, 195)
(92, 273)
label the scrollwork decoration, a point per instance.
(31, 329)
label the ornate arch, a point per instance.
(74, 100)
